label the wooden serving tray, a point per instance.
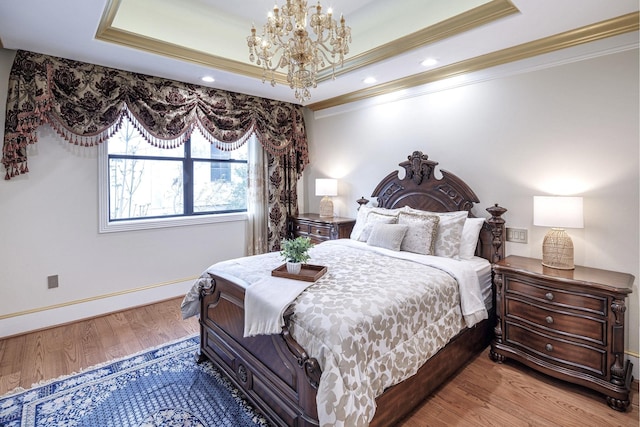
(308, 272)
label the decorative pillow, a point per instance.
(449, 231)
(469, 238)
(388, 236)
(421, 232)
(361, 219)
(372, 219)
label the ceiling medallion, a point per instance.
(286, 43)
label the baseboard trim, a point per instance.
(106, 313)
(94, 298)
(32, 320)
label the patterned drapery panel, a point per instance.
(283, 198)
(85, 103)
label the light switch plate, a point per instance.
(517, 235)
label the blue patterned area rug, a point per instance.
(158, 387)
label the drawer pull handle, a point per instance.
(549, 319)
(549, 296)
(548, 347)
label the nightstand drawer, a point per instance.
(317, 233)
(558, 297)
(320, 231)
(299, 229)
(557, 351)
(578, 326)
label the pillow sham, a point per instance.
(421, 233)
(388, 236)
(361, 220)
(372, 219)
(449, 231)
(469, 238)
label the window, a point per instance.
(149, 187)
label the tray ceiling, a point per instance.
(189, 39)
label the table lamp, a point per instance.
(558, 212)
(326, 187)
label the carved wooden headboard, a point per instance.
(420, 189)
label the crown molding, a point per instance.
(481, 15)
(458, 24)
(473, 18)
(108, 33)
(601, 30)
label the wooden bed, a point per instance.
(275, 372)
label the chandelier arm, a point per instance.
(324, 37)
(328, 61)
(328, 54)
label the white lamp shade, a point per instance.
(326, 187)
(558, 211)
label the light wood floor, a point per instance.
(482, 394)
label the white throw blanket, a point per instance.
(265, 302)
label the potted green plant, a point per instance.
(295, 252)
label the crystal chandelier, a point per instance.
(286, 43)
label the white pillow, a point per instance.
(449, 232)
(372, 219)
(388, 236)
(469, 238)
(421, 233)
(361, 220)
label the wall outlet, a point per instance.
(52, 281)
(517, 235)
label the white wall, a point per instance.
(49, 226)
(573, 126)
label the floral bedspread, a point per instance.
(371, 321)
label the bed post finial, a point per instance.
(497, 230)
(361, 202)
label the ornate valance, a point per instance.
(85, 103)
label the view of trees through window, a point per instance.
(195, 178)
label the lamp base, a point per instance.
(326, 207)
(557, 250)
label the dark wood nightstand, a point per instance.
(319, 229)
(566, 323)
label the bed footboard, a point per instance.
(274, 371)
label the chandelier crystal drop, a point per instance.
(286, 42)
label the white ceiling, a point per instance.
(187, 39)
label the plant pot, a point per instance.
(294, 267)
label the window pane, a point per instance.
(145, 188)
(203, 149)
(129, 141)
(219, 186)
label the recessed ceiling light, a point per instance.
(429, 62)
(370, 80)
(208, 79)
